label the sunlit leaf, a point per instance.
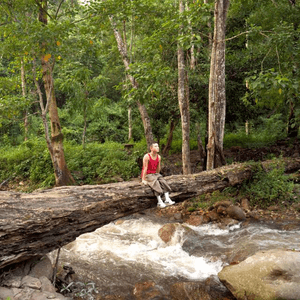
(47, 57)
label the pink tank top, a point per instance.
(152, 165)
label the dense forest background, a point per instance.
(78, 80)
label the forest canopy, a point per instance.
(79, 79)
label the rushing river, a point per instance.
(117, 256)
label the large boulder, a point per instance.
(267, 275)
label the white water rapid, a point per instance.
(121, 254)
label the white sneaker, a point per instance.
(161, 205)
(169, 202)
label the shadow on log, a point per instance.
(37, 223)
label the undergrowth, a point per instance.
(268, 186)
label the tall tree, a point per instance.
(217, 96)
(122, 46)
(183, 104)
(61, 171)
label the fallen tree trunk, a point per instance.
(37, 223)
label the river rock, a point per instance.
(167, 232)
(29, 280)
(245, 204)
(147, 291)
(197, 220)
(267, 275)
(236, 212)
(224, 203)
(210, 289)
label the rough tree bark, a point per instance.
(37, 223)
(167, 148)
(24, 94)
(61, 171)
(217, 97)
(142, 108)
(183, 105)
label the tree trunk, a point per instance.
(293, 126)
(38, 223)
(62, 173)
(170, 136)
(200, 145)
(84, 123)
(24, 93)
(129, 124)
(142, 108)
(217, 97)
(184, 106)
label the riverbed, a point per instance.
(121, 254)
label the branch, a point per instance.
(57, 11)
(233, 37)
(44, 10)
(249, 31)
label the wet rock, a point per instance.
(291, 226)
(147, 291)
(244, 251)
(225, 222)
(224, 203)
(245, 204)
(221, 210)
(177, 216)
(213, 216)
(267, 275)
(197, 220)
(109, 297)
(167, 232)
(236, 212)
(210, 289)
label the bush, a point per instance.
(268, 188)
(29, 161)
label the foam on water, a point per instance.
(138, 241)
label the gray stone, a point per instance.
(25, 294)
(46, 285)
(31, 282)
(13, 282)
(5, 293)
(43, 267)
(236, 212)
(267, 275)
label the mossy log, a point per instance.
(39, 222)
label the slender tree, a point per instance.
(217, 96)
(122, 47)
(61, 171)
(183, 104)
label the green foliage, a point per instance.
(102, 163)
(269, 186)
(267, 131)
(94, 163)
(207, 200)
(29, 161)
